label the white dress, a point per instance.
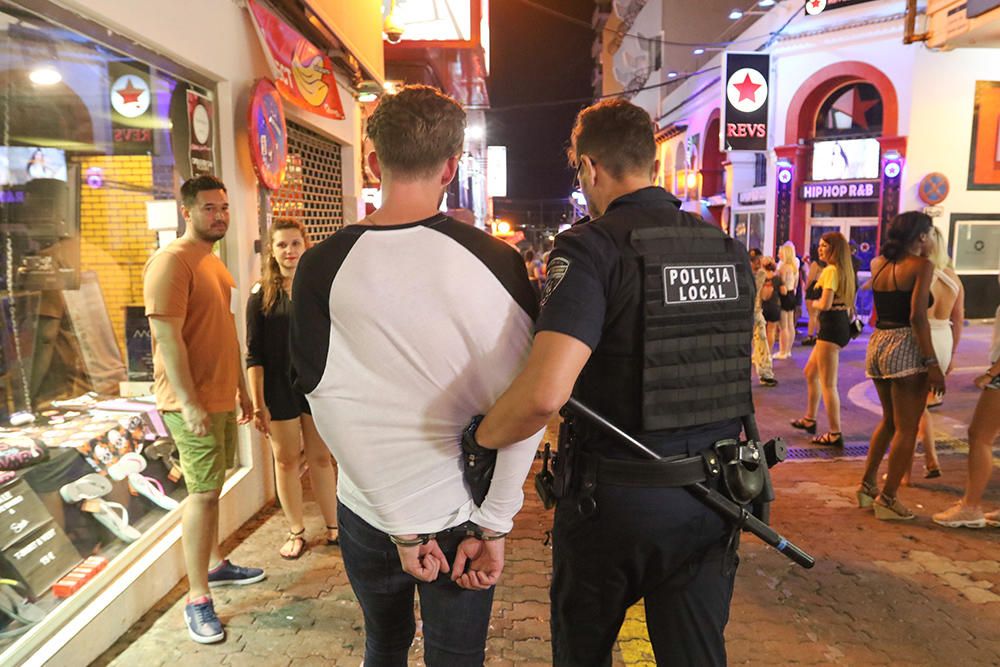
(941, 334)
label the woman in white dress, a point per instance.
(946, 317)
(788, 271)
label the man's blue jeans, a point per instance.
(455, 620)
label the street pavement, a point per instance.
(909, 593)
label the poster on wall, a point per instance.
(200, 135)
(984, 155)
(131, 108)
(746, 97)
(302, 73)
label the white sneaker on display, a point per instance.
(152, 490)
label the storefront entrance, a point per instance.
(858, 222)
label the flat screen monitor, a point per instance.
(849, 159)
(20, 164)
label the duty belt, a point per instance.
(669, 472)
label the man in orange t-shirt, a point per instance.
(198, 379)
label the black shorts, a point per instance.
(288, 405)
(788, 301)
(771, 311)
(813, 292)
(834, 327)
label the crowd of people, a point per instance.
(384, 375)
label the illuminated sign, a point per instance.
(840, 190)
(845, 160)
(434, 20)
(745, 96)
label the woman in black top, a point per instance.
(280, 411)
(770, 301)
(900, 358)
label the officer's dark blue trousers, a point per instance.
(657, 544)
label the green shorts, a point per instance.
(204, 460)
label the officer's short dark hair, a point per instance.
(416, 130)
(616, 134)
(192, 186)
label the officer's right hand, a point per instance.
(424, 561)
(195, 419)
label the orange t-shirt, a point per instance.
(186, 280)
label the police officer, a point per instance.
(647, 318)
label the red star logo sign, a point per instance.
(130, 94)
(815, 7)
(748, 89)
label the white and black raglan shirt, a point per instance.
(400, 335)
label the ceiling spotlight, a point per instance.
(45, 76)
(735, 15)
(671, 75)
(698, 51)
(766, 3)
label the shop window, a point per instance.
(94, 144)
(748, 229)
(313, 189)
(854, 110)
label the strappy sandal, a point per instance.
(335, 540)
(299, 539)
(830, 439)
(888, 508)
(805, 423)
(866, 494)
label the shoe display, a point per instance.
(992, 518)
(152, 490)
(228, 574)
(87, 487)
(960, 515)
(128, 464)
(866, 494)
(114, 517)
(18, 452)
(203, 625)
(890, 509)
(806, 424)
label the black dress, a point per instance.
(267, 346)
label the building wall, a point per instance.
(945, 85)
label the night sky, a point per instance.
(536, 57)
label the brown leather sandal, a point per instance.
(297, 539)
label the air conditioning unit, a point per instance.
(963, 24)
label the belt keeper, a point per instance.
(419, 540)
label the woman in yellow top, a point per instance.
(838, 287)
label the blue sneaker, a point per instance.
(203, 625)
(228, 574)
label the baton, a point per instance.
(729, 510)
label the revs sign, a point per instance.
(746, 94)
(699, 284)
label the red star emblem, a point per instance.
(851, 104)
(748, 89)
(129, 94)
(815, 3)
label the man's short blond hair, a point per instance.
(416, 130)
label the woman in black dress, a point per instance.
(280, 412)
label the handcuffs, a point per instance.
(424, 538)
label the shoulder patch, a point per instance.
(558, 266)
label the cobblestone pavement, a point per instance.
(881, 593)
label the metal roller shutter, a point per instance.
(313, 189)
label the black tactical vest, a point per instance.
(675, 351)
